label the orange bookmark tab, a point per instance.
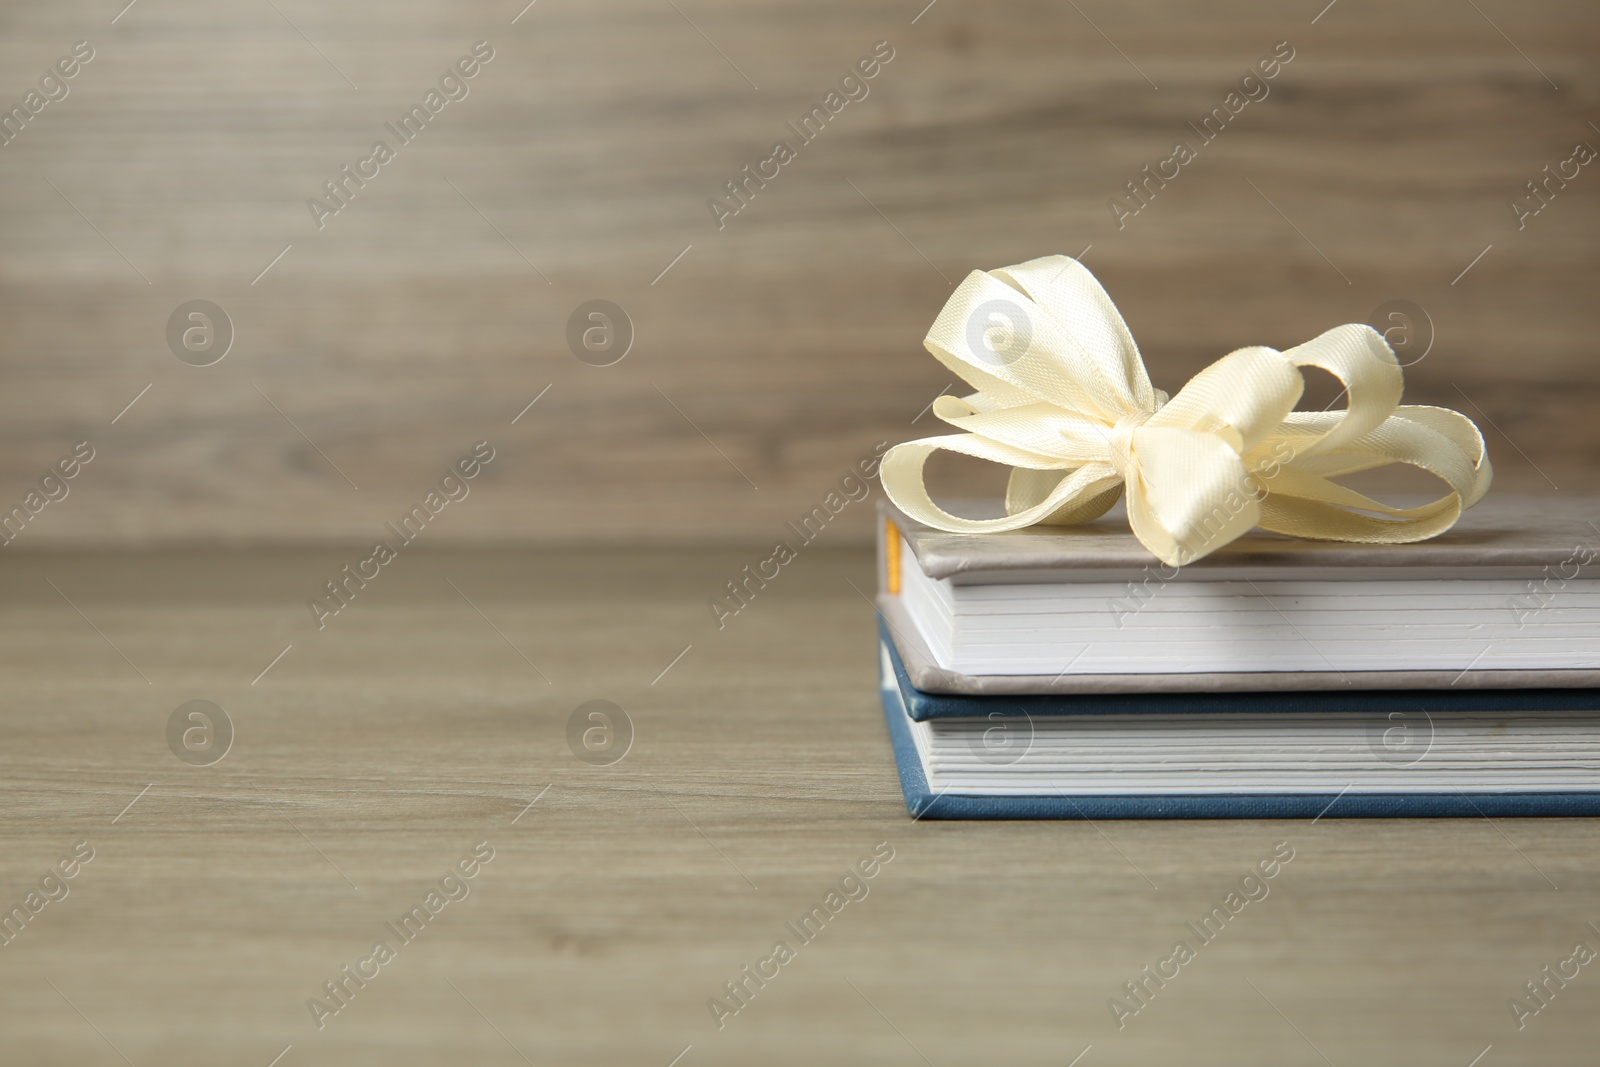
(891, 556)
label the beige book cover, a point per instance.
(1547, 543)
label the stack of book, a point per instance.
(1063, 672)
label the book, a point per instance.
(1509, 598)
(1097, 757)
(922, 706)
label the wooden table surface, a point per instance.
(428, 715)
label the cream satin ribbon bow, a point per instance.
(1063, 398)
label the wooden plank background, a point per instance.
(424, 316)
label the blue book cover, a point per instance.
(924, 801)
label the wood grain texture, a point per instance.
(378, 751)
(420, 319)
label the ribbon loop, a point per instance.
(1062, 397)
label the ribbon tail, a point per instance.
(1190, 496)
